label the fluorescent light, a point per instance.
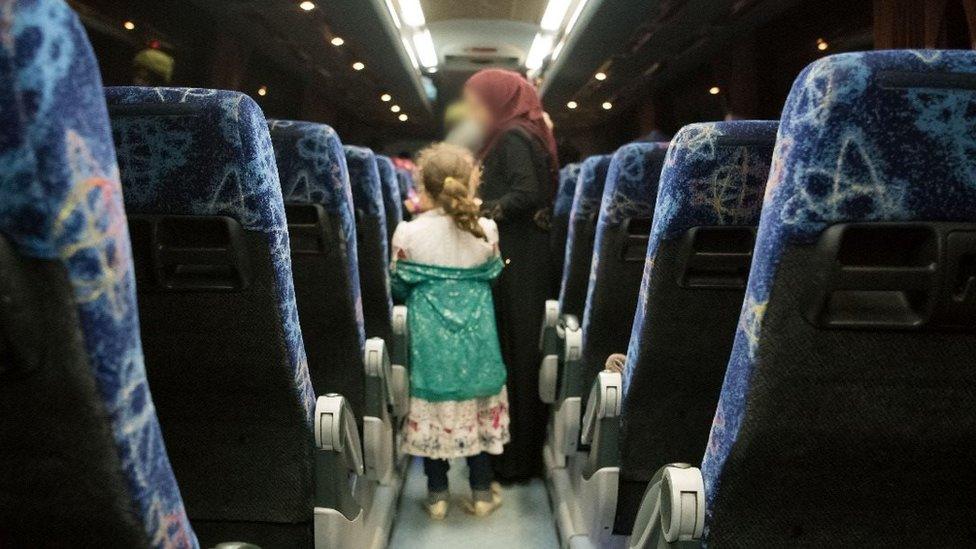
(413, 14)
(393, 13)
(559, 49)
(129, 25)
(358, 66)
(395, 108)
(410, 53)
(425, 48)
(541, 46)
(601, 76)
(403, 117)
(572, 105)
(575, 17)
(385, 97)
(714, 90)
(607, 105)
(337, 41)
(553, 17)
(307, 6)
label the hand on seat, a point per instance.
(616, 363)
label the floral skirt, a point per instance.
(457, 428)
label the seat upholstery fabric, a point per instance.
(374, 254)
(81, 452)
(392, 203)
(229, 367)
(582, 230)
(312, 169)
(568, 176)
(619, 247)
(681, 338)
(827, 437)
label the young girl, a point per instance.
(443, 263)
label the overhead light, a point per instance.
(395, 108)
(541, 46)
(822, 44)
(431, 70)
(714, 90)
(413, 14)
(573, 19)
(607, 105)
(307, 6)
(262, 91)
(553, 17)
(358, 66)
(601, 76)
(572, 105)
(393, 13)
(425, 48)
(410, 53)
(385, 97)
(337, 41)
(129, 25)
(403, 117)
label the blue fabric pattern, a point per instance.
(567, 189)
(367, 196)
(851, 147)
(405, 181)
(721, 187)
(312, 169)
(586, 203)
(392, 203)
(630, 191)
(217, 161)
(60, 200)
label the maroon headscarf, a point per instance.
(514, 103)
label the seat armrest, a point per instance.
(338, 454)
(672, 514)
(401, 391)
(401, 337)
(550, 319)
(601, 422)
(379, 378)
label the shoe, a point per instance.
(484, 502)
(436, 505)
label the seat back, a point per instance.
(694, 279)
(568, 176)
(324, 260)
(619, 247)
(217, 306)
(81, 453)
(392, 203)
(581, 232)
(846, 413)
(405, 182)
(371, 235)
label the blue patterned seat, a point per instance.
(845, 418)
(568, 176)
(619, 246)
(582, 231)
(392, 203)
(325, 265)
(220, 325)
(374, 254)
(709, 200)
(82, 458)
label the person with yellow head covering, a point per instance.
(152, 67)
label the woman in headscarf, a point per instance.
(518, 183)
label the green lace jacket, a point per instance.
(454, 352)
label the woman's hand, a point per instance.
(616, 363)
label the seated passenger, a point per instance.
(443, 262)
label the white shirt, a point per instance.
(433, 238)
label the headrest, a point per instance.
(391, 189)
(364, 175)
(714, 174)
(632, 181)
(567, 188)
(188, 151)
(589, 188)
(60, 199)
(312, 165)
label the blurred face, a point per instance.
(477, 111)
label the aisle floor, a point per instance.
(524, 519)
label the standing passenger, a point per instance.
(518, 185)
(443, 263)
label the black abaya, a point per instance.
(514, 188)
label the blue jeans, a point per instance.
(479, 473)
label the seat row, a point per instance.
(196, 313)
(797, 304)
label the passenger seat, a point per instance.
(392, 203)
(82, 459)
